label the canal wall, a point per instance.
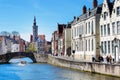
(94, 67)
(41, 58)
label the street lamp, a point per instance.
(73, 51)
(116, 49)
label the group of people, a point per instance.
(108, 59)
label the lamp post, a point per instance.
(116, 56)
(73, 54)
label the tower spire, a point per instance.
(35, 30)
(34, 21)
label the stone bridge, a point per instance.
(6, 57)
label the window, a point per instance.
(104, 5)
(82, 45)
(80, 30)
(86, 45)
(86, 28)
(77, 46)
(108, 26)
(75, 32)
(113, 28)
(105, 47)
(92, 28)
(89, 27)
(102, 15)
(104, 30)
(119, 44)
(105, 15)
(92, 45)
(118, 10)
(112, 47)
(108, 46)
(102, 48)
(114, 10)
(118, 27)
(101, 30)
(89, 45)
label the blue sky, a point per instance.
(17, 15)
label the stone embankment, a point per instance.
(94, 67)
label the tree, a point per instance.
(31, 48)
(15, 33)
(5, 33)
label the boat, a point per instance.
(22, 63)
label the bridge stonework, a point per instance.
(5, 58)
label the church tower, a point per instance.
(35, 31)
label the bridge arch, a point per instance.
(10, 56)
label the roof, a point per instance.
(89, 13)
(42, 37)
(61, 28)
(12, 40)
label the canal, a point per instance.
(45, 72)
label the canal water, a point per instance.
(45, 72)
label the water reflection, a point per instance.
(45, 72)
(28, 60)
(77, 75)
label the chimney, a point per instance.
(108, 1)
(95, 3)
(74, 17)
(84, 9)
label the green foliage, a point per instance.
(31, 48)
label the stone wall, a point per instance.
(41, 58)
(102, 68)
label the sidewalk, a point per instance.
(78, 60)
(71, 59)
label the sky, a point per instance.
(18, 15)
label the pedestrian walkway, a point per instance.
(71, 59)
(79, 60)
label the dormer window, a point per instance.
(102, 15)
(118, 10)
(104, 5)
(78, 19)
(114, 10)
(105, 15)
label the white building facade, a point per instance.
(14, 47)
(110, 28)
(8, 45)
(85, 33)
